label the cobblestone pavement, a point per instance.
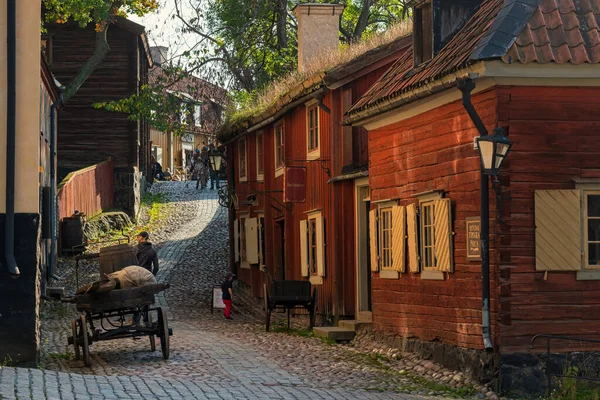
(210, 358)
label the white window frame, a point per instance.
(242, 144)
(198, 114)
(260, 157)
(183, 113)
(261, 240)
(315, 152)
(585, 237)
(385, 272)
(426, 200)
(315, 275)
(386, 261)
(242, 237)
(279, 167)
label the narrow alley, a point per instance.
(211, 358)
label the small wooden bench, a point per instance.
(286, 295)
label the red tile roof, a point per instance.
(527, 31)
(560, 31)
(401, 77)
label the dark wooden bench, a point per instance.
(286, 295)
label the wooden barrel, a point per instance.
(115, 258)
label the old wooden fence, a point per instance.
(89, 190)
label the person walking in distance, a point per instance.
(227, 289)
(145, 254)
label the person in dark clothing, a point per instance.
(145, 254)
(227, 289)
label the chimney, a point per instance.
(318, 30)
(159, 54)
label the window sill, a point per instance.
(245, 265)
(243, 178)
(260, 178)
(316, 280)
(588, 275)
(432, 275)
(313, 155)
(278, 172)
(389, 274)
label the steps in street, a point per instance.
(344, 332)
(334, 333)
(353, 324)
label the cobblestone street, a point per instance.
(210, 358)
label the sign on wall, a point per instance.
(473, 239)
(294, 185)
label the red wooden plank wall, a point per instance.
(434, 151)
(89, 190)
(555, 136)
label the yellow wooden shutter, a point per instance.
(252, 240)
(303, 248)
(320, 245)
(373, 240)
(236, 239)
(413, 244)
(398, 238)
(443, 234)
(557, 230)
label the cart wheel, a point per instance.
(75, 341)
(85, 346)
(152, 338)
(163, 328)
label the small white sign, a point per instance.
(218, 298)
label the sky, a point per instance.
(162, 28)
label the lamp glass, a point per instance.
(215, 160)
(486, 152)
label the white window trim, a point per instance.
(429, 273)
(183, 113)
(243, 261)
(586, 186)
(314, 279)
(260, 177)
(384, 273)
(278, 169)
(245, 177)
(314, 154)
(261, 239)
(198, 115)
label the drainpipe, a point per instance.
(466, 87)
(11, 111)
(54, 216)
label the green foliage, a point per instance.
(571, 388)
(159, 103)
(85, 12)
(255, 41)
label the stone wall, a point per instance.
(20, 297)
(128, 190)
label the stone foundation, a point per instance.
(20, 297)
(530, 375)
(478, 365)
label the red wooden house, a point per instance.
(535, 65)
(297, 172)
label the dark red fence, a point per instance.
(89, 190)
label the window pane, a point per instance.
(593, 205)
(594, 254)
(593, 230)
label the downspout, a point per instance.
(11, 111)
(466, 87)
(54, 208)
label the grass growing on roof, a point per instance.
(258, 102)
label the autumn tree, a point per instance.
(252, 42)
(101, 13)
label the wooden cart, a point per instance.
(286, 295)
(106, 316)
